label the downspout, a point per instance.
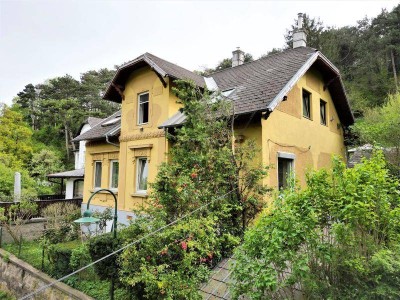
(111, 143)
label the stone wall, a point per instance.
(20, 278)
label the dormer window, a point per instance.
(143, 108)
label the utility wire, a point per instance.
(28, 296)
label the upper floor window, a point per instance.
(142, 172)
(97, 174)
(322, 111)
(143, 108)
(306, 104)
(114, 168)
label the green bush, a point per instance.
(172, 263)
(80, 257)
(99, 247)
(339, 238)
(59, 256)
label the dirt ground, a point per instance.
(29, 231)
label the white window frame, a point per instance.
(138, 159)
(285, 155)
(139, 106)
(111, 174)
(96, 162)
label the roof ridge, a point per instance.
(259, 59)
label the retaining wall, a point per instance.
(20, 279)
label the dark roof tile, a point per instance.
(100, 130)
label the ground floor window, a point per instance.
(114, 168)
(78, 188)
(285, 169)
(97, 174)
(142, 172)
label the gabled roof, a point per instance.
(259, 85)
(108, 127)
(262, 84)
(162, 68)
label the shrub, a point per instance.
(60, 225)
(80, 257)
(59, 256)
(337, 239)
(99, 247)
(172, 263)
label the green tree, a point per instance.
(336, 239)
(92, 85)
(313, 28)
(27, 99)
(15, 142)
(69, 115)
(202, 173)
(380, 126)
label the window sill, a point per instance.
(308, 118)
(141, 195)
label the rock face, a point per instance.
(20, 279)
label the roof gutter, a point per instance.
(111, 132)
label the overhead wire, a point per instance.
(28, 296)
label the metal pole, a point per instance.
(114, 229)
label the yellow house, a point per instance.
(292, 103)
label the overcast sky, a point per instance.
(44, 39)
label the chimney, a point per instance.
(299, 35)
(238, 57)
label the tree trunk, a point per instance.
(394, 70)
(66, 139)
(71, 138)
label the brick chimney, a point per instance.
(238, 57)
(299, 35)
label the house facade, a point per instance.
(292, 103)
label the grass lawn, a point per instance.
(31, 252)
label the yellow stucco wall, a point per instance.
(104, 153)
(286, 130)
(144, 140)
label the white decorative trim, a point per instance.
(286, 155)
(278, 98)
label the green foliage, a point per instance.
(171, 264)
(6, 296)
(59, 256)
(203, 173)
(16, 136)
(80, 257)
(101, 246)
(71, 101)
(367, 55)
(18, 214)
(60, 226)
(380, 126)
(313, 28)
(337, 239)
(98, 289)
